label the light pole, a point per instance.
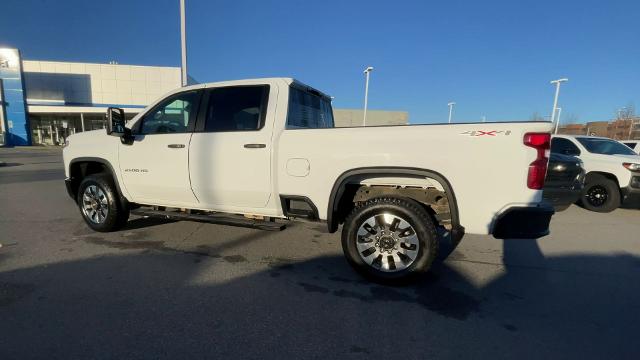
(558, 120)
(450, 110)
(367, 71)
(555, 99)
(183, 43)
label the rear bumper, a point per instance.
(561, 198)
(523, 222)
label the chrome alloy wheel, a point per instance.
(95, 206)
(387, 242)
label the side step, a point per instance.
(222, 219)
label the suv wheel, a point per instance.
(389, 239)
(600, 194)
(99, 204)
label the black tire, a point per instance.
(600, 194)
(407, 210)
(116, 214)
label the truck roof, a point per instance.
(289, 81)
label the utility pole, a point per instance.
(183, 42)
(558, 120)
(555, 99)
(451, 104)
(367, 71)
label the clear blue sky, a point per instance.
(494, 58)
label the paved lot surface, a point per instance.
(186, 290)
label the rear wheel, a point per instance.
(389, 239)
(99, 204)
(600, 194)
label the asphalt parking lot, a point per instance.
(187, 290)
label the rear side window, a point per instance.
(631, 145)
(308, 110)
(564, 147)
(240, 108)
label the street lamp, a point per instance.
(558, 121)
(367, 71)
(450, 110)
(183, 43)
(555, 99)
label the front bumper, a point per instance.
(523, 222)
(69, 185)
(631, 193)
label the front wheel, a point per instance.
(600, 194)
(99, 204)
(389, 239)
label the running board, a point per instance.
(221, 219)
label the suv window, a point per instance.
(238, 108)
(308, 110)
(171, 116)
(564, 147)
(605, 146)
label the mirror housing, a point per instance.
(115, 122)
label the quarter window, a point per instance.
(172, 115)
(564, 147)
(241, 108)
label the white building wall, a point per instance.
(51, 82)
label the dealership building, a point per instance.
(42, 102)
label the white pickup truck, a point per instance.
(613, 171)
(254, 152)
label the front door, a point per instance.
(230, 155)
(155, 168)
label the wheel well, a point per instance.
(431, 190)
(81, 169)
(605, 174)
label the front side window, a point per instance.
(241, 108)
(605, 146)
(308, 110)
(564, 147)
(172, 115)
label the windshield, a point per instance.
(605, 146)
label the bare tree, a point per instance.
(571, 119)
(626, 112)
(536, 117)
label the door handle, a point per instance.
(175, 146)
(255, 146)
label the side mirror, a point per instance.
(115, 122)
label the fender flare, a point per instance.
(381, 171)
(106, 163)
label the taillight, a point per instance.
(538, 169)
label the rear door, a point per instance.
(230, 153)
(155, 167)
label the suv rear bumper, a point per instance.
(523, 222)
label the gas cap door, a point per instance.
(298, 167)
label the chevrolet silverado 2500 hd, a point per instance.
(268, 149)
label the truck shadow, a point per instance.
(155, 304)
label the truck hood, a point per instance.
(628, 158)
